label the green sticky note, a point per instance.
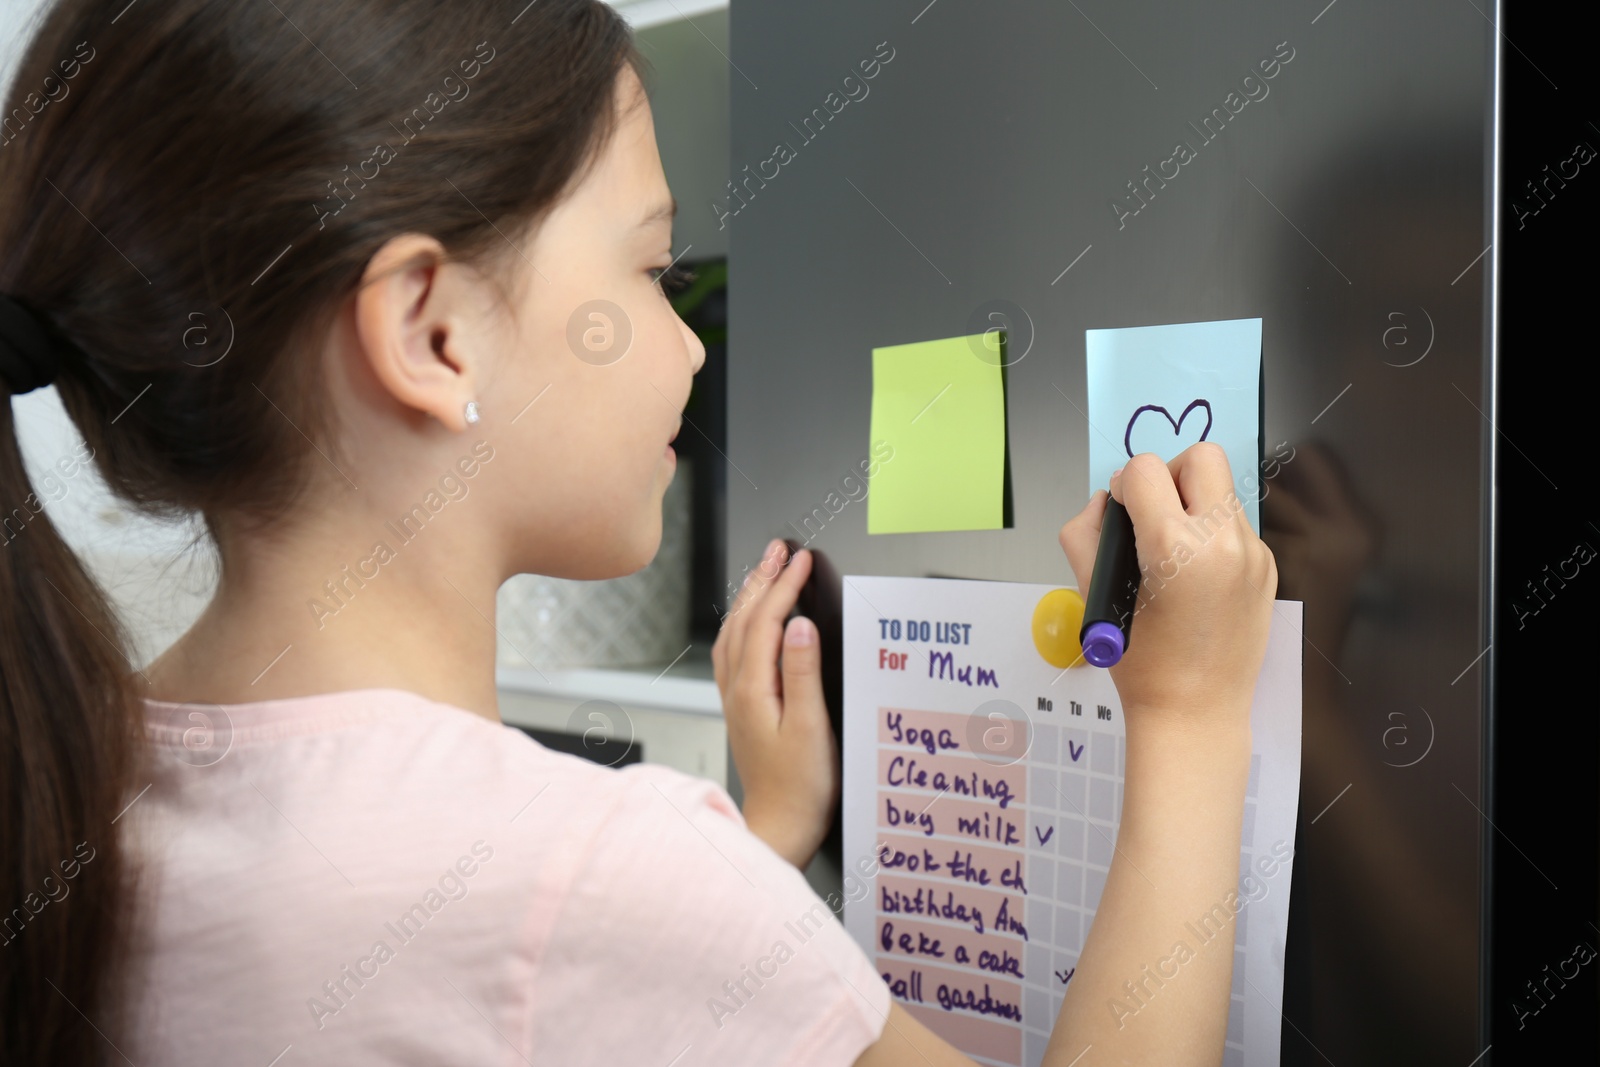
(940, 406)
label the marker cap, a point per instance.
(1103, 644)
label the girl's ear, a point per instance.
(411, 326)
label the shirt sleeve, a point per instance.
(685, 940)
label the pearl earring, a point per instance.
(471, 412)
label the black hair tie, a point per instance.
(30, 353)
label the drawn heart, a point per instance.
(1176, 423)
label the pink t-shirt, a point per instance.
(370, 877)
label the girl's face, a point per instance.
(587, 395)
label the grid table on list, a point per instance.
(1075, 794)
(1075, 780)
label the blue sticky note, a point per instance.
(1162, 388)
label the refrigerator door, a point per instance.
(1027, 157)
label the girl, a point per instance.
(302, 835)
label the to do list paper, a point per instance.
(982, 793)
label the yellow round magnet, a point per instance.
(1057, 619)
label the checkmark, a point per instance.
(1066, 977)
(1074, 750)
(1046, 836)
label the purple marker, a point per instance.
(1103, 644)
(1113, 591)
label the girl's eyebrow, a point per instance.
(662, 213)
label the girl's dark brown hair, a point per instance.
(178, 180)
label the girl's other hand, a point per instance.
(1205, 603)
(770, 678)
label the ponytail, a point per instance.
(68, 733)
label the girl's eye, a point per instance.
(672, 279)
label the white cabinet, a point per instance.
(677, 721)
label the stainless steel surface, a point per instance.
(1348, 207)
